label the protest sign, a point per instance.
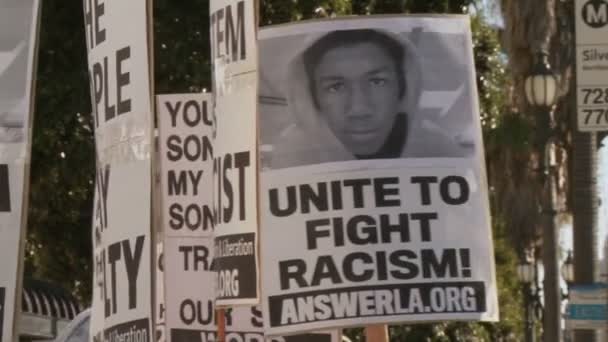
(189, 289)
(18, 47)
(186, 128)
(118, 56)
(186, 156)
(235, 78)
(246, 324)
(373, 190)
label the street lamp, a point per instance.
(568, 269)
(541, 84)
(540, 87)
(526, 274)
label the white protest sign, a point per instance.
(186, 156)
(18, 45)
(374, 208)
(246, 324)
(591, 25)
(189, 289)
(117, 41)
(234, 54)
(186, 129)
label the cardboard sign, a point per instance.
(374, 204)
(19, 22)
(234, 55)
(118, 55)
(188, 216)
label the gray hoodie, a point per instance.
(311, 141)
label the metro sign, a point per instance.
(595, 13)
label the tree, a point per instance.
(63, 159)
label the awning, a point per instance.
(45, 310)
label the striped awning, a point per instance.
(45, 309)
(41, 298)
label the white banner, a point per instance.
(234, 54)
(117, 36)
(374, 204)
(591, 21)
(18, 40)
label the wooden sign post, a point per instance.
(221, 325)
(376, 333)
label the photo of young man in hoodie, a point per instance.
(354, 95)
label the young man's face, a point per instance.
(357, 88)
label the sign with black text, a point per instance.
(119, 76)
(234, 55)
(186, 130)
(246, 324)
(19, 20)
(591, 21)
(374, 204)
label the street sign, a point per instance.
(588, 307)
(591, 19)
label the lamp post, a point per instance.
(567, 272)
(568, 269)
(541, 92)
(525, 273)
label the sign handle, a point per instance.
(221, 325)
(376, 333)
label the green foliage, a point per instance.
(181, 46)
(63, 159)
(490, 68)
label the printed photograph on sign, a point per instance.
(374, 204)
(362, 94)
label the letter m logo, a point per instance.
(595, 13)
